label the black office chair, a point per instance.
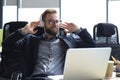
(12, 26)
(7, 30)
(106, 35)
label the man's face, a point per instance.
(51, 24)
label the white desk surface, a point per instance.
(113, 77)
(60, 77)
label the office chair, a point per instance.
(7, 30)
(12, 26)
(106, 35)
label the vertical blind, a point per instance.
(33, 3)
(9, 2)
(39, 3)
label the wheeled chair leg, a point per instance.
(16, 76)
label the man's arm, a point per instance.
(14, 40)
(17, 39)
(84, 40)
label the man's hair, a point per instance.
(48, 11)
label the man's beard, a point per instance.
(49, 31)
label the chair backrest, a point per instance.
(105, 33)
(10, 27)
(14, 25)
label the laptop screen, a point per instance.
(86, 63)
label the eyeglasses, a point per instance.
(53, 22)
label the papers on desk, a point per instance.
(56, 77)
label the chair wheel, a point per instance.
(16, 76)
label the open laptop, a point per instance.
(86, 63)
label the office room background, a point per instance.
(85, 13)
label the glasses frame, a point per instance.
(53, 22)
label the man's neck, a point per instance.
(48, 36)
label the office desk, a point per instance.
(60, 77)
(113, 77)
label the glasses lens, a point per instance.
(52, 22)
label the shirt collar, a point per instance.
(51, 39)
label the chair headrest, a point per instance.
(105, 29)
(13, 26)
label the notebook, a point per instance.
(86, 63)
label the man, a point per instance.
(42, 56)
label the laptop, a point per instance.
(86, 63)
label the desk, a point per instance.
(113, 77)
(60, 77)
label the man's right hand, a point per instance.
(30, 27)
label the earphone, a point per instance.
(41, 22)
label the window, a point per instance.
(9, 14)
(31, 14)
(85, 13)
(114, 13)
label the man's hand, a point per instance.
(69, 27)
(30, 27)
